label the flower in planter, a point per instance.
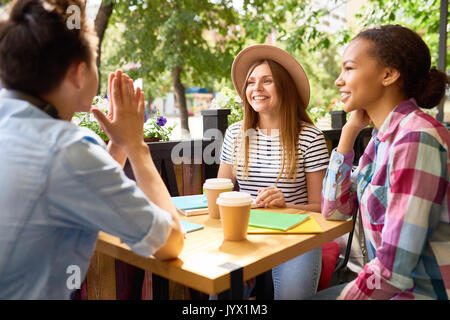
(153, 127)
(229, 99)
(156, 128)
(161, 121)
(339, 105)
(316, 113)
(338, 115)
(87, 119)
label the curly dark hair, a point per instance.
(401, 48)
(37, 44)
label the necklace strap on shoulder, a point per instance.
(35, 101)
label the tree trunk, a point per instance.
(101, 23)
(181, 97)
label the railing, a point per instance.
(184, 170)
(332, 140)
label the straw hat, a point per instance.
(250, 55)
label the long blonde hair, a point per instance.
(293, 117)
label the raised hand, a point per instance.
(125, 119)
(359, 119)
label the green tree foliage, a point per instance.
(181, 43)
(295, 25)
(192, 39)
(421, 16)
(295, 22)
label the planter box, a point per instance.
(338, 119)
(152, 139)
(215, 119)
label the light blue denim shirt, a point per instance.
(58, 188)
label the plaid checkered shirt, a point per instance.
(401, 188)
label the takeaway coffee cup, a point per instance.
(234, 212)
(214, 187)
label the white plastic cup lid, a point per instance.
(234, 199)
(218, 183)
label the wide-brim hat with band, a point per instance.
(252, 54)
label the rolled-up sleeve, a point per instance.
(87, 189)
(339, 199)
(157, 234)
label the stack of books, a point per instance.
(191, 205)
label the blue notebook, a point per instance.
(190, 226)
(190, 202)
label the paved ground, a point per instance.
(195, 127)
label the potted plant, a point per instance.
(155, 128)
(338, 116)
(316, 113)
(229, 99)
(87, 119)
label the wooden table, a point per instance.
(208, 264)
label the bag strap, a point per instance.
(343, 263)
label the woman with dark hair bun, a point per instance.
(401, 186)
(59, 184)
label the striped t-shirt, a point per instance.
(265, 161)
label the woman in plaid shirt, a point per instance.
(401, 185)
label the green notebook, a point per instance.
(275, 220)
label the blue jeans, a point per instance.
(299, 277)
(295, 279)
(330, 293)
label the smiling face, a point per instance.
(361, 78)
(261, 91)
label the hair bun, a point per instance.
(20, 9)
(37, 46)
(431, 89)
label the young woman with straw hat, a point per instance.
(276, 154)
